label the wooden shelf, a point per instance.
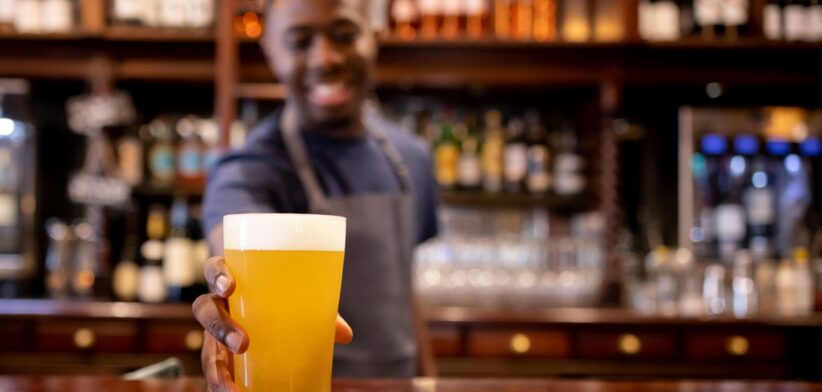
(502, 200)
(261, 91)
(94, 309)
(153, 34)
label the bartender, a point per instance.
(328, 152)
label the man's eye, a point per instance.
(298, 42)
(345, 36)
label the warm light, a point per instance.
(6, 127)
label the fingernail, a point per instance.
(234, 341)
(222, 284)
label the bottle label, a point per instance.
(815, 23)
(707, 12)
(794, 22)
(127, 10)
(538, 178)
(760, 206)
(470, 173)
(200, 13)
(162, 162)
(451, 7)
(27, 18)
(190, 162)
(667, 21)
(729, 222)
(735, 12)
(178, 267)
(516, 162)
(447, 159)
(772, 23)
(7, 11)
(8, 210)
(172, 13)
(476, 7)
(404, 11)
(57, 15)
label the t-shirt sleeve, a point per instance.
(236, 187)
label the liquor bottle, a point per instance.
(210, 134)
(608, 21)
(190, 166)
(125, 276)
(568, 178)
(378, 13)
(647, 20)
(172, 13)
(814, 21)
(538, 155)
(522, 20)
(735, 17)
(446, 154)
(199, 13)
(8, 10)
(773, 20)
(477, 18)
(502, 18)
(430, 13)
(667, 25)
(87, 271)
(161, 154)
(128, 12)
(687, 18)
(545, 20)
(492, 152)
(778, 153)
(130, 158)
(178, 259)
(470, 170)
(795, 16)
(707, 14)
(152, 287)
(760, 205)
(59, 263)
(404, 13)
(451, 19)
(57, 16)
(576, 22)
(515, 160)
(28, 16)
(729, 213)
(803, 283)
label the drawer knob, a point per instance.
(194, 340)
(629, 344)
(84, 338)
(520, 344)
(737, 346)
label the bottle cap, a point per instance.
(713, 144)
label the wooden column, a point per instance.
(630, 17)
(227, 63)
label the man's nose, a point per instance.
(323, 55)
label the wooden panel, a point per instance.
(752, 345)
(446, 341)
(529, 343)
(173, 337)
(626, 344)
(13, 335)
(98, 336)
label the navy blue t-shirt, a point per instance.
(259, 176)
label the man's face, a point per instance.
(324, 52)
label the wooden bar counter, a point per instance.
(103, 384)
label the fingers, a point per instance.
(215, 360)
(210, 311)
(343, 333)
(219, 279)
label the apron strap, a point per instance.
(299, 158)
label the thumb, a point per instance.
(343, 333)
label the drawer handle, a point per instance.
(520, 344)
(629, 344)
(194, 340)
(84, 338)
(737, 346)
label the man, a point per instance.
(328, 153)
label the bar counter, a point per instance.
(102, 384)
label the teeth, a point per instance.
(328, 89)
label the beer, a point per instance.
(288, 273)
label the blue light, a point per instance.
(714, 144)
(760, 180)
(811, 147)
(793, 164)
(738, 166)
(779, 148)
(746, 145)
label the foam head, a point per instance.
(284, 232)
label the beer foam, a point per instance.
(284, 232)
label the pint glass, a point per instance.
(288, 272)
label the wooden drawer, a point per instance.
(626, 344)
(446, 341)
(90, 335)
(173, 337)
(529, 343)
(14, 335)
(753, 345)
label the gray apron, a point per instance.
(376, 297)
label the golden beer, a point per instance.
(288, 271)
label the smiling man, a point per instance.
(328, 152)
